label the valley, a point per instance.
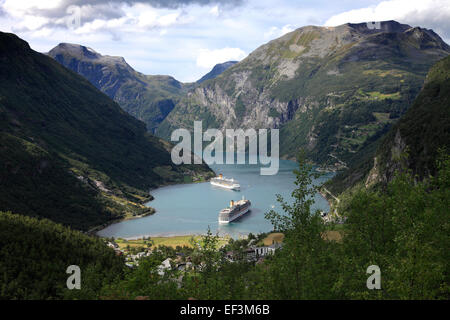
(88, 178)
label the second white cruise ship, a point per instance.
(235, 210)
(221, 181)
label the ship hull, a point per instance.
(232, 187)
(231, 219)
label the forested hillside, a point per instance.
(413, 142)
(69, 152)
(35, 253)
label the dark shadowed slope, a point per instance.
(414, 141)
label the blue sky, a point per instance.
(185, 38)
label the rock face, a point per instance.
(333, 91)
(217, 70)
(148, 98)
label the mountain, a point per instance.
(217, 70)
(149, 98)
(333, 91)
(422, 131)
(69, 153)
(414, 142)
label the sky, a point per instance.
(186, 38)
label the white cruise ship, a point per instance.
(221, 181)
(236, 210)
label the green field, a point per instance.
(273, 237)
(165, 241)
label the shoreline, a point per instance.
(327, 200)
(171, 235)
(94, 230)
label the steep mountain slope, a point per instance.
(217, 70)
(332, 90)
(148, 98)
(414, 141)
(423, 130)
(68, 151)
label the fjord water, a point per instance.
(190, 208)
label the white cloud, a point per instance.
(433, 14)
(214, 11)
(275, 32)
(19, 7)
(32, 23)
(168, 19)
(209, 58)
(172, 39)
(147, 18)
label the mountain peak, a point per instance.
(217, 70)
(77, 50)
(147, 97)
(84, 53)
(10, 42)
(379, 26)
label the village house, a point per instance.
(254, 253)
(165, 265)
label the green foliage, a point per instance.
(274, 113)
(306, 266)
(34, 256)
(425, 128)
(144, 281)
(405, 231)
(34, 182)
(239, 108)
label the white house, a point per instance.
(165, 265)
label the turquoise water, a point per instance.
(191, 208)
